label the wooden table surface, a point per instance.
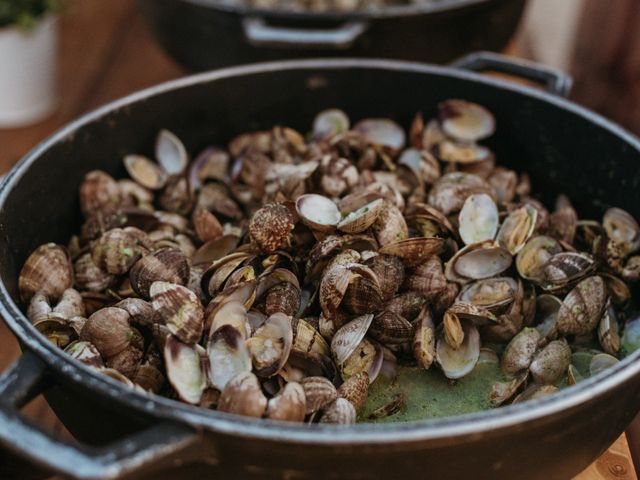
(107, 52)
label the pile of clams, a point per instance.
(279, 277)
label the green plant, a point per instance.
(25, 13)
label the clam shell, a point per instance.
(109, 330)
(452, 330)
(58, 331)
(478, 261)
(601, 362)
(183, 364)
(550, 364)
(116, 250)
(99, 192)
(390, 273)
(361, 219)
(582, 308)
(478, 219)
(243, 396)
(367, 357)
(462, 153)
(308, 339)
(520, 351)
(465, 121)
(271, 227)
(340, 412)
(502, 392)
(535, 391)
(88, 276)
(180, 309)
(48, 270)
(85, 352)
(451, 190)
(284, 298)
(211, 164)
(566, 267)
(348, 337)
(318, 212)
(228, 356)
(389, 328)
(414, 251)
(534, 255)
(623, 229)
(424, 340)
(206, 225)
(319, 392)
(330, 122)
(166, 265)
(271, 344)
(382, 132)
(517, 228)
(631, 336)
(145, 172)
(289, 405)
(490, 293)
(171, 153)
(456, 363)
(390, 225)
(546, 319)
(609, 331)
(478, 315)
(363, 294)
(356, 390)
(232, 313)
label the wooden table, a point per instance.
(107, 52)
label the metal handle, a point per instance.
(261, 34)
(555, 81)
(154, 446)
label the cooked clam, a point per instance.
(478, 219)
(48, 270)
(465, 121)
(458, 362)
(184, 369)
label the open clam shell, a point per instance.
(546, 318)
(349, 336)
(414, 251)
(171, 153)
(478, 261)
(145, 172)
(232, 313)
(381, 132)
(623, 229)
(318, 212)
(490, 293)
(478, 219)
(465, 121)
(458, 362)
(270, 345)
(366, 357)
(534, 255)
(361, 219)
(330, 122)
(517, 228)
(184, 369)
(228, 356)
(424, 340)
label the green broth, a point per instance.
(428, 394)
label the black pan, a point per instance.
(564, 147)
(204, 34)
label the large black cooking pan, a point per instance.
(565, 148)
(204, 34)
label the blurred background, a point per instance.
(68, 59)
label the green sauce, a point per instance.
(428, 394)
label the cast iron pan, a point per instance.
(565, 148)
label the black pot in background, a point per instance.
(205, 34)
(564, 148)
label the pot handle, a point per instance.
(27, 378)
(260, 34)
(554, 80)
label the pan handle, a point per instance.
(555, 81)
(260, 34)
(27, 378)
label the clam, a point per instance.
(243, 396)
(582, 308)
(546, 318)
(550, 364)
(48, 270)
(408, 304)
(465, 121)
(535, 391)
(631, 336)
(228, 356)
(179, 308)
(478, 261)
(270, 345)
(517, 228)
(361, 219)
(424, 340)
(623, 229)
(390, 273)
(601, 362)
(177, 196)
(171, 153)
(109, 330)
(478, 315)
(520, 351)
(289, 405)
(58, 331)
(414, 251)
(99, 192)
(478, 219)
(233, 313)
(118, 249)
(608, 331)
(452, 330)
(462, 153)
(490, 293)
(319, 392)
(333, 287)
(390, 225)
(451, 190)
(348, 337)
(366, 357)
(165, 265)
(284, 298)
(502, 392)
(456, 363)
(381, 132)
(88, 276)
(505, 183)
(307, 338)
(422, 164)
(389, 328)
(184, 369)
(363, 295)
(318, 212)
(534, 255)
(145, 172)
(355, 389)
(206, 225)
(567, 267)
(341, 411)
(271, 227)
(428, 278)
(211, 164)
(85, 352)
(330, 122)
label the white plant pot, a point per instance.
(28, 90)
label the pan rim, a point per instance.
(445, 429)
